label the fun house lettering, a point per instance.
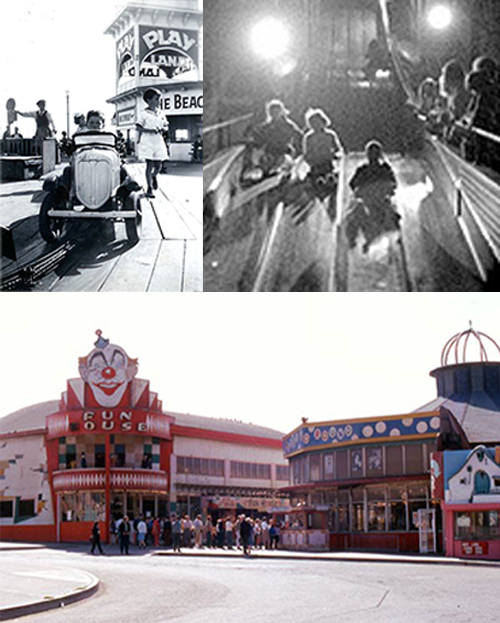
(112, 420)
(157, 38)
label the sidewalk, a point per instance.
(35, 588)
(373, 557)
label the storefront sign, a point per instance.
(165, 53)
(188, 102)
(474, 548)
(248, 503)
(126, 117)
(108, 420)
(125, 57)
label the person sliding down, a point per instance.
(278, 137)
(372, 211)
(321, 146)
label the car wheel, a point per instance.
(133, 225)
(51, 229)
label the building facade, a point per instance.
(107, 448)
(159, 45)
(366, 483)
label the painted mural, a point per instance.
(333, 433)
(24, 482)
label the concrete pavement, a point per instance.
(35, 588)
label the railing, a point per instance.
(121, 479)
(20, 147)
(224, 134)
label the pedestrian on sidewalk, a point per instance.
(176, 533)
(150, 125)
(96, 538)
(229, 526)
(264, 526)
(142, 530)
(198, 532)
(124, 532)
(209, 530)
(156, 531)
(245, 532)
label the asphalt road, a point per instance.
(155, 589)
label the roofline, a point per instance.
(216, 435)
(466, 364)
(353, 482)
(154, 7)
(373, 418)
(23, 433)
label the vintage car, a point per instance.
(94, 186)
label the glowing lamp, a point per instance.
(439, 17)
(270, 38)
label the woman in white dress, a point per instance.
(151, 146)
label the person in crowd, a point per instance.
(187, 528)
(45, 127)
(257, 533)
(142, 530)
(83, 460)
(150, 125)
(198, 531)
(456, 97)
(17, 134)
(321, 145)
(176, 533)
(278, 136)
(6, 134)
(245, 532)
(265, 533)
(124, 534)
(377, 59)
(134, 531)
(229, 535)
(112, 530)
(80, 122)
(156, 531)
(372, 184)
(96, 538)
(430, 105)
(95, 121)
(167, 531)
(209, 527)
(221, 533)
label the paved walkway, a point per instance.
(25, 590)
(29, 589)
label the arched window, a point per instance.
(482, 483)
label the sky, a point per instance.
(50, 47)
(263, 360)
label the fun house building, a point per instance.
(107, 448)
(425, 481)
(158, 44)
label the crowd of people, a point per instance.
(459, 101)
(177, 531)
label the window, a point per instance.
(414, 459)
(397, 516)
(342, 466)
(26, 508)
(257, 471)
(205, 467)
(343, 511)
(100, 455)
(373, 462)
(328, 469)
(6, 508)
(282, 472)
(482, 525)
(356, 462)
(376, 508)
(83, 506)
(394, 460)
(315, 467)
(358, 509)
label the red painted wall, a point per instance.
(37, 534)
(386, 541)
(79, 530)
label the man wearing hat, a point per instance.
(43, 121)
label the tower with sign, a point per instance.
(159, 45)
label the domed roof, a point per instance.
(460, 348)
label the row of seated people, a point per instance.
(458, 101)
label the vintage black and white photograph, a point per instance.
(352, 146)
(102, 146)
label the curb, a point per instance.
(415, 561)
(12, 612)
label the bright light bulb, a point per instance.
(439, 17)
(270, 38)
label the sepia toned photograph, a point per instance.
(102, 146)
(352, 146)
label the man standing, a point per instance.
(124, 532)
(245, 531)
(43, 121)
(176, 533)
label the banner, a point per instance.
(125, 67)
(167, 53)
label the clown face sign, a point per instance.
(107, 370)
